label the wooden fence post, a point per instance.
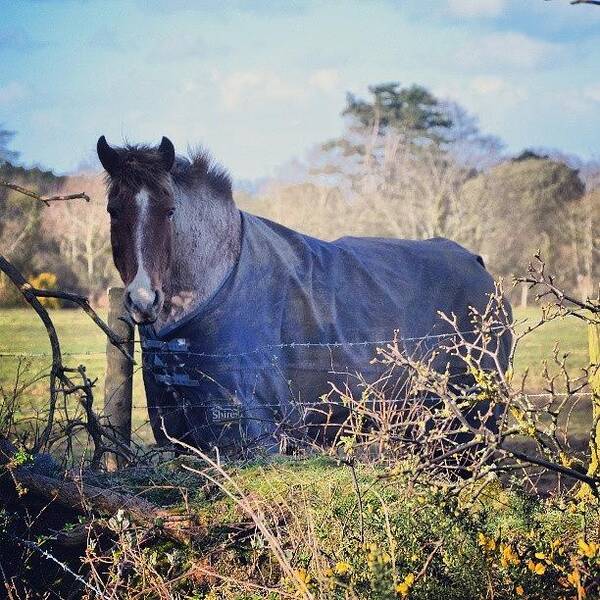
(118, 385)
(594, 345)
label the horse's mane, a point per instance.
(142, 165)
(201, 168)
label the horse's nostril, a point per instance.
(142, 305)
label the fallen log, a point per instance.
(87, 499)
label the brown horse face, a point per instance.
(141, 207)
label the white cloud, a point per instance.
(487, 84)
(592, 92)
(255, 85)
(476, 8)
(325, 80)
(509, 49)
(12, 93)
(573, 101)
(240, 87)
(489, 97)
(186, 46)
(499, 88)
(488, 90)
(45, 118)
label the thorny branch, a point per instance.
(537, 278)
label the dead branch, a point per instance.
(538, 277)
(436, 427)
(30, 293)
(46, 201)
(59, 380)
(56, 369)
(554, 466)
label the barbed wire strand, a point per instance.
(33, 546)
(294, 344)
(291, 345)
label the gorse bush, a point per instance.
(355, 532)
(46, 281)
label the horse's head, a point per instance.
(141, 205)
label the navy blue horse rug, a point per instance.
(295, 316)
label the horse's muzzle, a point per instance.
(144, 310)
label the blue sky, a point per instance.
(261, 81)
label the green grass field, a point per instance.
(21, 332)
(348, 530)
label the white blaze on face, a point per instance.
(140, 289)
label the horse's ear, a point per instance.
(108, 156)
(167, 153)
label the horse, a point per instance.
(247, 326)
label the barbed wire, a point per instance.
(180, 348)
(278, 404)
(48, 556)
(48, 354)
(147, 346)
(177, 347)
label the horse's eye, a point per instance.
(171, 213)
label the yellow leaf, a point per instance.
(573, 578)
(589, 549)
(509, 557)
(519, 590)
(537, 568)
(487, 543)
(303, 576)
(402, 589)
(342, 568)
(565, 460)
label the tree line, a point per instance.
(407, 165)
(66, 245)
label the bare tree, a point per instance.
(82, 233)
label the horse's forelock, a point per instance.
(140, 166)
